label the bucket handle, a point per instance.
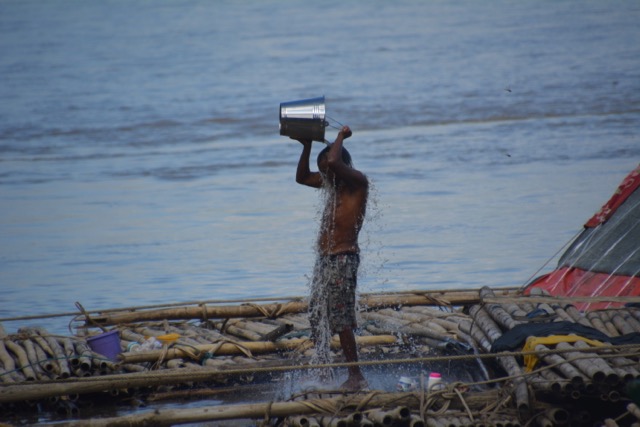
(328, 123)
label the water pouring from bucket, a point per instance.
(305, 119)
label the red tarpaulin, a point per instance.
(604, 260)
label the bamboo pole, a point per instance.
(477, 334)
(235, 329)
(562, 314)
(279, 331)
(255, 325)
(630, 320)
(538, 382)
(611, 377)
(567, 369)
(38, 359)
(84, 355)
(236, 348)
(58, 353)
(23, 360)
(129, 335)
(620, 324)
(606, 319)
(7, 361)
(577, 316)
(254, 411)
(8, 373)
(596, 322)
(497, 312)
(299, 322)
(589, 368)
(508, 363)
(627, 365)
(207, 334)
(275, 310)
(416, 319)
(391, 324)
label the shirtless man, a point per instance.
(334, 280)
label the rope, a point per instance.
(217, 301)
(218, 344)
(427, 359)
(267, 414)
(526, 283)
(464, 402)
(203, 307)
(277, 311)
(88, 318)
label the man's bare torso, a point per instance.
(342, 219)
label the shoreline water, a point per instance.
(141, 163)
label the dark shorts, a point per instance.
(335, 281)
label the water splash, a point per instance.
(318, 292)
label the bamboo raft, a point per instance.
(214, 350)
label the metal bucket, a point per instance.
(303, 119)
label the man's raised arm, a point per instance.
(304, 175)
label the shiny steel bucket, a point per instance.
(303, 119)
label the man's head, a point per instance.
(346, 157)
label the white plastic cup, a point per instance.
(434, 382)
(407, 384)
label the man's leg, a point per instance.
(356, 380)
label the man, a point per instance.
(333, 286)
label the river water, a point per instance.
(140, 160)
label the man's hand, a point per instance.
(346, 132)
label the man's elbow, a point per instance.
(301, 179)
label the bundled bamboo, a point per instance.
(587, 366)
(561, 313)
(577, 316)
(568, 370)
(276, 409)
(472, 329)
(612, 331)
(556, 382)
(8, 364)
(400, 414)
(497, 312)
(626, 365)
(22, 359)
(390, 324)
(597, 322)
(37, 360)
(508, 363)
(237, 329)
(57, 352)
(621, 325)
(299, 321)
(83, 353)
(630, 320)
(611, 377)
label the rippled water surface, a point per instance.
(140, 160)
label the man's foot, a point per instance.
(355, 383)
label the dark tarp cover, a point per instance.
(515, 338)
